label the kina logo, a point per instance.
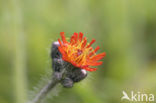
(138, 96)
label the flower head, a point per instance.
(80, 53)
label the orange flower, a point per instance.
(79, 53)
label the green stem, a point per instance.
(45, 90)
(19, 53)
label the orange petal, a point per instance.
(61, 50)
(91, 43)
(80, 36)
(94, 63)
(98, 57)
(72, 39)
(76, 37)
(60, 42)
(90, 69)
(63, 37)
(84, 42)
(96, 49)
(75, 64)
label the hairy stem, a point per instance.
(45, 90)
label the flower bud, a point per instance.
(70, 73)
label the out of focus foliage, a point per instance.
(124, 29)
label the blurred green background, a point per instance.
(124, 29)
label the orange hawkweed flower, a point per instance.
(79, 53)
